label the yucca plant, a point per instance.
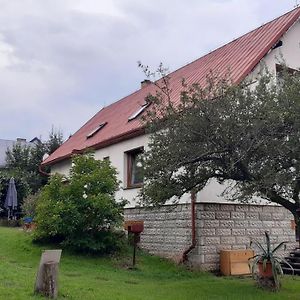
(267, 263)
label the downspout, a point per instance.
(193, 219)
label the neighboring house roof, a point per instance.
(239, 57)
(8, 144)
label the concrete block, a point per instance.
(276, 231)
(242, 207)
(268, 224)
(226, 224)
(228, 240)
(256, 224)
(241, 224)
(207, 232)
(206, 215)
(159, 216)
(238, 231)
(200, 223)
(211, 206)
(255, 208)
(227, 207)
(210, 267)
(211, 258)
(211, 223)
(239, 247)
(253, 232)
(207, 249)
(265, 216)
(223, 231)
(171, 216)
(243, 240)
(200, 206)
(223, 247)
(222, 215)
(278, 216)
(237, 215)
(182, 223)
(252, 216)
(212, 241)
(270, 208)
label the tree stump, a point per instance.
(47, 284)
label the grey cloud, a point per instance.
(70, 57)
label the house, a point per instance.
(117, 133)
(8, 145)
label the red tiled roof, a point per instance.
(239, 56)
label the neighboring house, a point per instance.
(116, 132)
(8, 144)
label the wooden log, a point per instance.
(48, 281)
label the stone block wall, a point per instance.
(167, 230)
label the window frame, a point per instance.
(129, 168)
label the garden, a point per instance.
(94, 277)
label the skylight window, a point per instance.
(138, 112)
(98, 128)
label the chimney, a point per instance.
(145, 83)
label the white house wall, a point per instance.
(290, 51)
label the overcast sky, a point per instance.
(61, 61)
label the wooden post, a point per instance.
(48, 280)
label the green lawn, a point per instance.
(99, 278)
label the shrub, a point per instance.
(81, 214)
(21, 186)
(29, 205)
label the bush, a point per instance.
(81, 214)
(21, 186)
(29, 205)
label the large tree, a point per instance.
(247, 135)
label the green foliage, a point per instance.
(246, 135)
(29, 205)
(54, 141)
(268, 255)
(21, 186)
(81, 214)
(23, 163)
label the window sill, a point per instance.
(137, 186)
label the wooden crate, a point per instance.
(235, 262)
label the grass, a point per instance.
(83, 277)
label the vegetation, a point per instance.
(246, 136)
(82, 214)
(84, 277)
(21, 186)
(23, 164)
(268, 256)
(29, 205)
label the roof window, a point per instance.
(93, 132)
(138, 112)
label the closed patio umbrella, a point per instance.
(11, 200)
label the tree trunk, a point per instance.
(49, 278)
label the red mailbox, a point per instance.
(134, 226)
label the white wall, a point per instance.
(290, 50)
(117, 157)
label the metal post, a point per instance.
(134, 250)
